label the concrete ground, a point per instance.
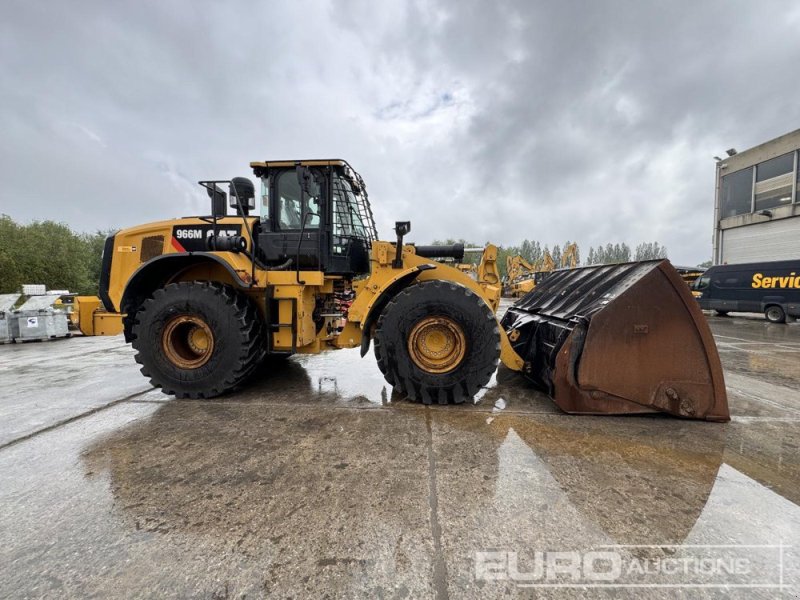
(316, 481)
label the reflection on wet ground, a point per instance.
(748, 344)
(318, 481)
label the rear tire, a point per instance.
(775, 314)
(197, 339)
(437, 341)
(722, 313)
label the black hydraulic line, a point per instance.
(249, 230)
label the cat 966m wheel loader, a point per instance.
(205, 300)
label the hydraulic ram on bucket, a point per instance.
(619, 339)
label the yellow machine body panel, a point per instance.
(136, 246)
(519, 288)
(91, 319)
(137, 249)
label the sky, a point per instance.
(594, 121)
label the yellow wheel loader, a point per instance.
(205, 300)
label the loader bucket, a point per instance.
(619, 339)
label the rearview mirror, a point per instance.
(242, 193)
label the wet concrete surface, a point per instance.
(46, 383)
(317, 481)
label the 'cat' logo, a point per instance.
(192, 238)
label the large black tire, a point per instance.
(463, 310)
(224, 316)
(775, 314)
(722, 313)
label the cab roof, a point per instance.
(326, 162)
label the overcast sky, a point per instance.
(593, 121)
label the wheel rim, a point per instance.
(437, 344)
(187, 341)
(773, 314)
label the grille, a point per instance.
(152, 246)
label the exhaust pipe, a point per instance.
(619, 339)
(454, 251)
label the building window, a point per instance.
(774, 180)
(737, 193)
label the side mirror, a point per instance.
(401, 228)
(218, 201)
(242, 194)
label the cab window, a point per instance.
(264, 207)
(729, 280)
(346, 218)
(291, 208)
(702, 283)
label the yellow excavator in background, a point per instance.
(518, 282)
(467, 268)
(205, 300)
(546, 264)
(569, 258)
(523, 276)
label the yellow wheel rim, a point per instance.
(437, 344)
(187, 341)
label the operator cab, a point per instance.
(315, 214)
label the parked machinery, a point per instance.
(7, 301)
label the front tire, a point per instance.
(197, 339)
(437, 341)
(775, 314)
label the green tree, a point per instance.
(93, 256)
(526, 250)
(650, 251)
(10, 276)
(49, 253)
(624, 253)
(10, 279)
(556, 254)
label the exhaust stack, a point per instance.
(619, 339)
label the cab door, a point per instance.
(297, 219)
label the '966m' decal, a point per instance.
(192, 238)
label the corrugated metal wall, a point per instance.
(772, 240)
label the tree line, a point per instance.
(50, 253)
(533, 251)
(616, 253)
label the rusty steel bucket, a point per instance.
(619, 339)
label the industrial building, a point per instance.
(756, 209)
